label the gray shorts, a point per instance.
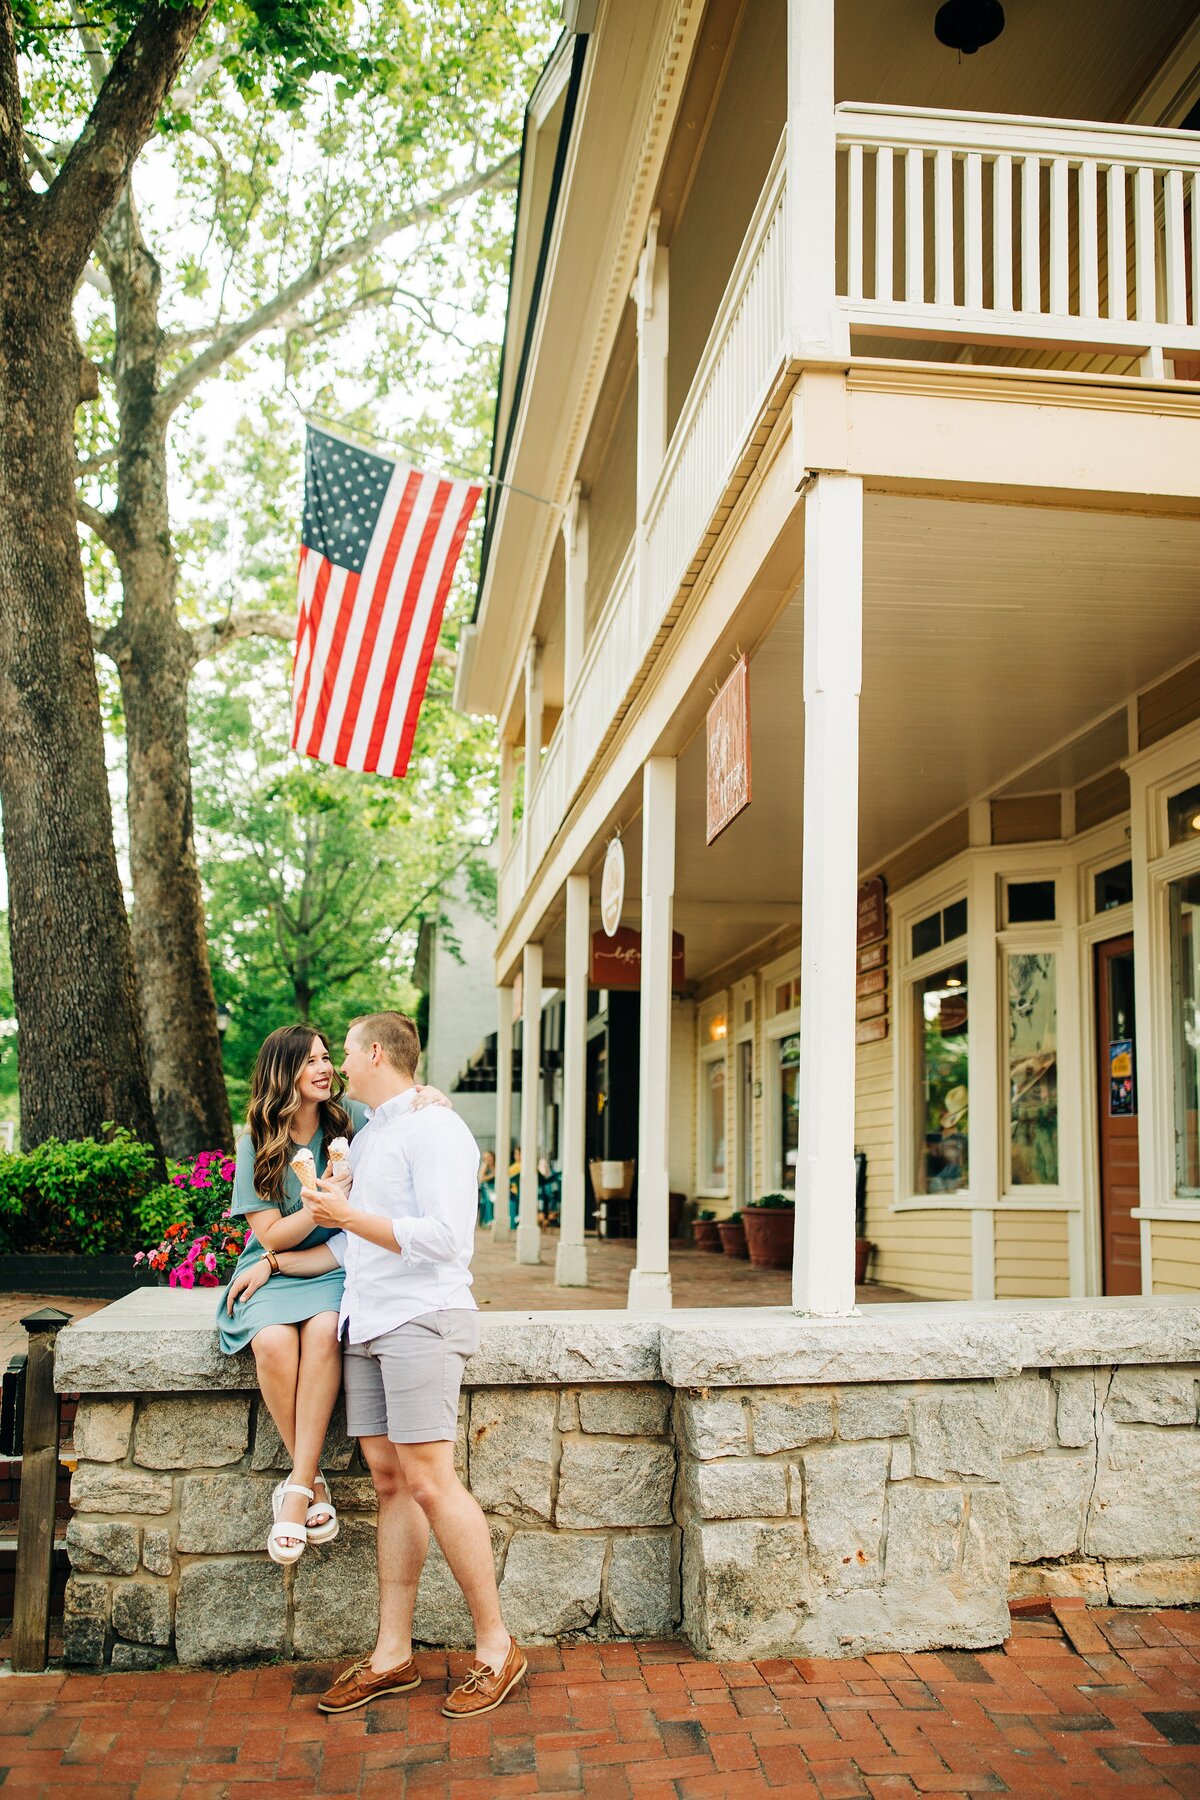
(405, 1383)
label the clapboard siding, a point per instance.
(1170, 705)
(1176, 1254)
(1107, 797)
(1026, 818)
(1031, 1255)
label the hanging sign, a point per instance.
(612, 887)
(871, 989)
(617, 959)
(728, 735)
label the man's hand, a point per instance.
(429, 1096)
(247, 1282)
(327, 1203)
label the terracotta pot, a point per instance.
(733, 1237)
(862, 1256)
(770, 1234)
(705, 1235)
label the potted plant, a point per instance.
(770, 1231)
(733, 1235)
(705, 1235)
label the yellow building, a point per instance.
(876, 363)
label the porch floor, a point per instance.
(698, 1278)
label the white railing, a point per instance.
(742, 360)
(510, 881)
(994, 228)
(608, 668)
(548, 804)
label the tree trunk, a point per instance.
(154, 659)
(81, 1054)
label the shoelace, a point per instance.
(475, 1678)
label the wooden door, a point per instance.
(1116, 1045)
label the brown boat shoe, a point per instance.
(483, 1689)
(360, 1683)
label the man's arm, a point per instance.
(328, 1205)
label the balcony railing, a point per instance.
(1042, 232)
(958, 227)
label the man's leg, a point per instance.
(462, 1531)
(401, 1546)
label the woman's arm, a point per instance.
(317, 1261)
(280, 1231)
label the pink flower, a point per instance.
(210, 1262)
(177, 1180)
(199, 1179)
(228, 1170)
(184, 1278)
(208, 1281)
(140, 1256)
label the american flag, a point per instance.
(378, 550)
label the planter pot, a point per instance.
(675, 1205)
(705, 1235)
(733, 1237)
(770, 1234)
(862, 1256)
(78, 1277)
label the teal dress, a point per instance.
(284, 1299)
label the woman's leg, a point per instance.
(320, 1378)
(277, 1357)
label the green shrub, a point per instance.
(775, 1202)
(81, 1196)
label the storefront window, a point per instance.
(941, 1020)
(1033, 1069)
(714, 1124)
(1184, 898)
(789, 1110)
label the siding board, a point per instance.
(1169, 706)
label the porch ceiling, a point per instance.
(992, 635)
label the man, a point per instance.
(408, 1324)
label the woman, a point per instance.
(290, 1324)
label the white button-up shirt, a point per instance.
(420, 1170)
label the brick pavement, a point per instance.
(1102, 1702)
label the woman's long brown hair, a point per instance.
(275, 1101)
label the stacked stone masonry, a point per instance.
(824, 1522)
(635, 1487)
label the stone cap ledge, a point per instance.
(158, 1340)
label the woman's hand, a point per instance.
(247, 1282)
(428, 1096)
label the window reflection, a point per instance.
(943, 1087)
(1185, 1009)
(1033, 1069)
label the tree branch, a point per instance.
(97, 62)
(272, 312)
(210, 640)
(92, 465)
(122, 119)
(102, 523)
(39, 159)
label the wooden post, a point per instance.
(39, 1485)
(504, 1066)
(570, 1262)
(817, 328)
(650, 1281)
(529, 1236)
(823, 1271)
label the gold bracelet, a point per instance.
(272, 1260)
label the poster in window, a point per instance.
(1120, 1078)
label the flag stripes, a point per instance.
(375, 569)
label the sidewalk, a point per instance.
(1105, 1703)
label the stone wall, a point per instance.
(648, 1478)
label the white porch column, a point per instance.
(575, 543)
(504, 1068)
(651, 293)
(508, 769)
(529, 1236)
(817, 330)
(650, 1280)
(533, 742)
(823, 1268)
(570, 1263)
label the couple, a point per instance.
(367, 1278)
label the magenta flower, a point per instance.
(199, 1179)
(177, 1180)
(227, 1171)
(210, 1262)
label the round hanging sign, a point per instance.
(612, 887)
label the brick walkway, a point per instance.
(1106, 1703)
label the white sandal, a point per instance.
(279, 1549)
(325, 1528)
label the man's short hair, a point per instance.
(396, 1036)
